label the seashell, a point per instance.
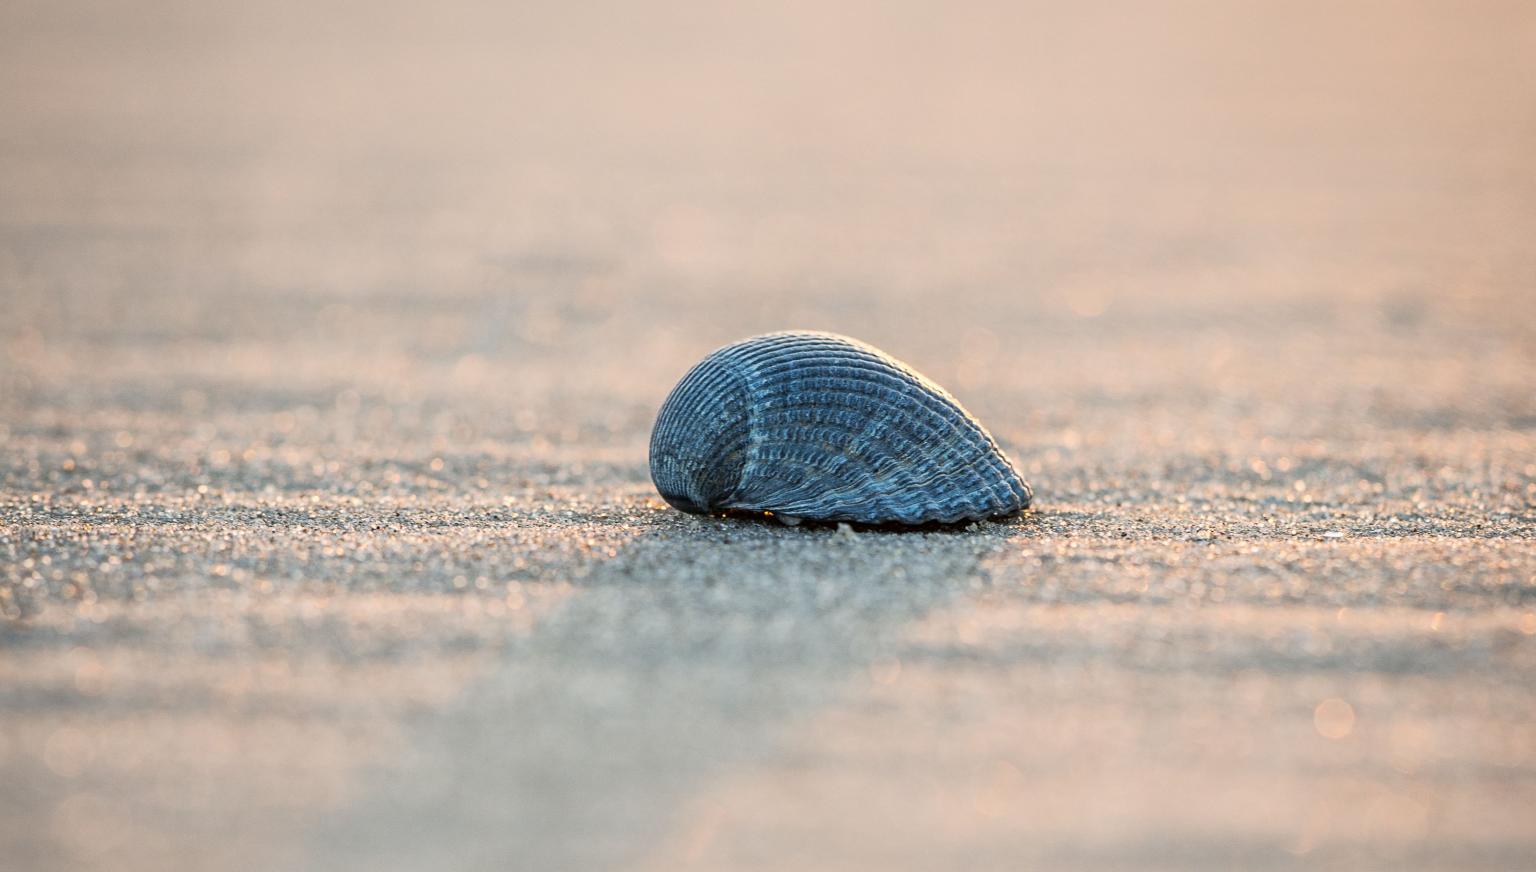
(817, 426)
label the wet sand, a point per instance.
(332, 339)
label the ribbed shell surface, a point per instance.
(823, 427)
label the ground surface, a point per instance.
(330, 340)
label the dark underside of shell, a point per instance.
(822, 427)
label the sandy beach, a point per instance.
(331, 338)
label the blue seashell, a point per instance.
(823, 427)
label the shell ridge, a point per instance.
(948, 477)
(710, 462)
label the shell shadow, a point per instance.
(1019, 521)
(700, 647)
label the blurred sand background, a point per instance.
(331, 335)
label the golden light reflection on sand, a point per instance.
(1008, 765)
(1333, 718)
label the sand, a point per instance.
(331, 344)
